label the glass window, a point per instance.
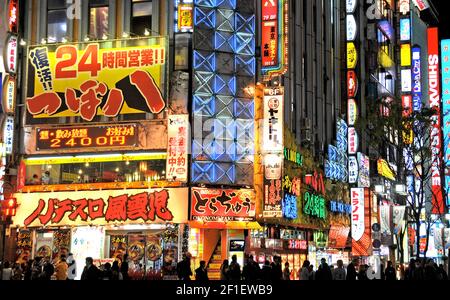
(56, 20)
(98, 18)
(141, 16)
(96, 172)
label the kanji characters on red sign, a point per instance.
(145, 206)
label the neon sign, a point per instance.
(86, 137)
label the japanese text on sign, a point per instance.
(86, 137)
(95, 81)
(101, 208)
(223, 205)
(177, 151)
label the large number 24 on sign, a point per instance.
(71, 52)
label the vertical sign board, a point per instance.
(361, 236)
(273, 147)
(416, 79)
(445, 61)
(274, 34)
(273, 119)
(436, 134)
(177, 151)
(270, 37)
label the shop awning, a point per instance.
(223, 225)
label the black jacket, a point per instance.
(91, 273)
(390, 273)
(324, 273)
(201, 274)
(351, 272)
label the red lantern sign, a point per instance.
(352, 84)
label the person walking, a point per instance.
(339, 272)
(7, 272)
(47, 271)
(418, 271)
(362, 272)
(107, 272)
(124, 267)
(61, 268)
(90, 271)
(286, 272)
(115, 271)
(324, 271)
(390, 272)
(430, 271)
(442, 274)
(266, 271)
(201, 273)
(410, 270)
(36, 268)
(277, 271)
(17, 273)
(304, 271)
(224, 270)
(351, 270)
(184, 270)
(312, 273)
(27, 270)
(235, 269)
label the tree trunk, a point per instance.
(418, 238)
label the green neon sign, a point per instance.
(293, 156)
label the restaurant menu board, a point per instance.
(86, 137)
(118, 247)
(24, 246)
(61, 244)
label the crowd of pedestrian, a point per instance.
(64, 268)
(41, 268)
(417, 270)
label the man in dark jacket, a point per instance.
(235, 269)
(184, 268)
(90, 271)
(201, 274)
(324, 271)
(390, 272)
(277, 269)
(351, 270)
(251, 271)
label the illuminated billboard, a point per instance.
(96, 82)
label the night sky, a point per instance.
(443, 11)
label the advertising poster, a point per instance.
(446, 239)
(96, 82)
(61, 243)
(398, 214)
(44, 244)
(24, 246)
(273, 195)
(361, 227)
(118, 246)
(270, 34)
(385, 218)
(136, 255)
(216, 205)
(338, 236)
(364, 170)
(153, 255)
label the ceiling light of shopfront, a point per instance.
(146, 32)
(104, 36)
(125, 35)
(64, 40)
(43, 41)
(50, 160)
(400, 189)
(86, 38)
(22, 42)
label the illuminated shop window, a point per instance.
(98, 18)
(98, 169)
(141, 17)
(56, 20)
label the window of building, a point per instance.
(56, 20)
(141, 16)
(98, 18)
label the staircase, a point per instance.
(215, 262)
